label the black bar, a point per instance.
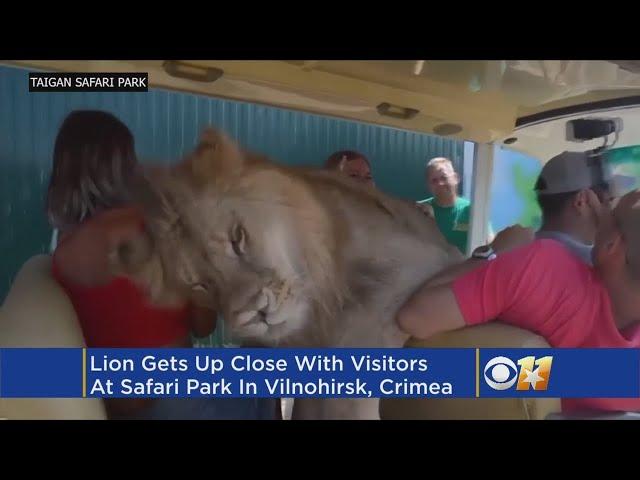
(88, 82)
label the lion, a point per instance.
(291, 256)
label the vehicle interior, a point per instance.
(520, 105)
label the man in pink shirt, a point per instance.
(544, 288)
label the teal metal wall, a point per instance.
(165, 125)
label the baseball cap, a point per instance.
(573, 171)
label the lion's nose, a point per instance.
(246, 317)
(259, 308)
(268, 301)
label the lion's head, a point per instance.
(279, 252)
(238, 233)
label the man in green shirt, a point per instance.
(452, 212)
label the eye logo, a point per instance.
(501, 373)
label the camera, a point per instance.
(582, 129)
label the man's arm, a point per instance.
(433, 309)
(477, 294)
(448, 275)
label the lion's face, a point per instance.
(254, 263)
(249, 241)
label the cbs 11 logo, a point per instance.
(501, 373)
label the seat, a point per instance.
(38, 313)
(492, 335)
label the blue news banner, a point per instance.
(240, 372)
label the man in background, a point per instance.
(451, 211)
(352, 164)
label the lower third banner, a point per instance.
(333, 373)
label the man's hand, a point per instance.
(605, 217)
(512, 237)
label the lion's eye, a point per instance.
(238, 239)
(199, 287)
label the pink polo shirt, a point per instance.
(542, 287)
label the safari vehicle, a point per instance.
(519, 105)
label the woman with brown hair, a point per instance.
(89, 203)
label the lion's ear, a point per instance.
(216, 156)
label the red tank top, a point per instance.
(118, 315)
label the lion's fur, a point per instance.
(345, 255)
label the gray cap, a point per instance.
(573, 171)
